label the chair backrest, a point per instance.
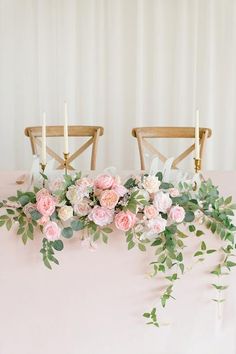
(93, 132)
(168, 132)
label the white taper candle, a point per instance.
(197, 145)
(43, 151)
(66, 150)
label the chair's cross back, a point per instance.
(142, 134)
(91, 132)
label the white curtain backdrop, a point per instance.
(119, 64)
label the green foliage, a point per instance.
(48, 253)
(152, 316)
(67, 232)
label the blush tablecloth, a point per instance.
(93, 302)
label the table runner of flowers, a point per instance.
(148, 210)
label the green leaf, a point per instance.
(179, 257)
(228, 200)
(198, 253)
(9, 224)
(130, 183)
(104, 238)
(77, 225)
(35, 215)
(210, 251)
(203, 246)
(142, 247)
(47, 263)
(230, 264)
(10, 211)
(43, 175)
(189, 216)
(192, 228)
(13, 199)
(217, 270)
(146, 314)
(67, 232)
(24, 199)
(24, 238)
(107, 230)
(159, 175)
(96, 236)
(58, 245)
(181, 266)
(199, 233)
(220, 287)
(213, 227)
(157, 242)
(131, 244)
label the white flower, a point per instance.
(162, 202)
(151, 184)
(82, 208)
(74, 195)
(156, 226)
(65, 213)
(56, 184)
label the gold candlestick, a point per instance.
(197, 165)
(43, 166)
(66, 157)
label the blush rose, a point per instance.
(101, 216)
(109, 199)
(177, 214)
(125, 220)
(46, 205)
(104, 181)
(51, 231)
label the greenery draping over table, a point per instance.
(148, 210)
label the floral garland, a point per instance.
(147, 209)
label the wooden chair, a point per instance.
(168, 132)
(93, 132)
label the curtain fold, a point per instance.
(119, 64)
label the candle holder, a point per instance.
(66, 157)
(43, 166)
(197, 165)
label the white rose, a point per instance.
(82, 209)
(74, 195)
(56, 184)
(151, 184)
(162, 202)
(65, 213)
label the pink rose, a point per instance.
(82, 209)
(150, 212)
(56, 184)
(125, 220)
(84, 184)
(177, 214)
(104, 181)
(51, 231)
(121, 190)
(42, 193)
(162, 202)
(174, 192)
(157, 225)
(109, 199)
(46, 205)
(101, 216)
(43, 220)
